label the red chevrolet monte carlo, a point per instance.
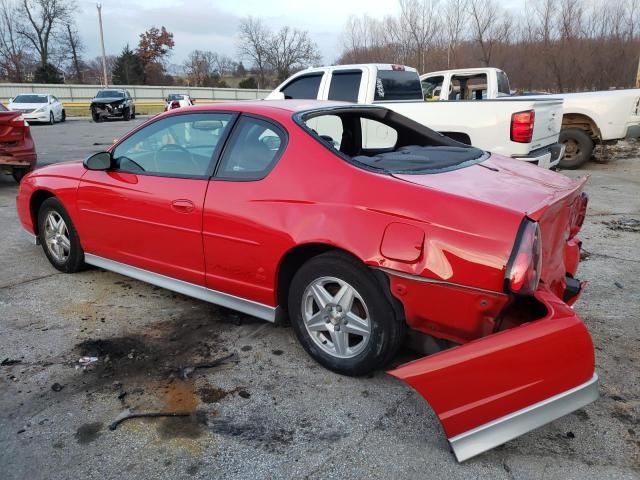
(357, 224)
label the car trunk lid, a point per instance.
(547, 124)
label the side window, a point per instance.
(306, 86)
(253, 149)
(179, 145)
(345, 85)
(432, 88)
(329, 128)
(377, 135)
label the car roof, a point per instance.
(262, 106)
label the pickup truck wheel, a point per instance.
(341, 316)
(578, 148)
(59, 237)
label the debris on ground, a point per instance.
(618, 284)
(7, 362)
(87, 360)
(128, 415)
(56, 387)
(189, 369)
(584, 255)
(624, 225)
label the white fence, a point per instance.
(83, 93)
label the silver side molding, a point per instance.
(33, 239)
(260, 310)
(501, 430)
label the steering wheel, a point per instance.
(175, 147)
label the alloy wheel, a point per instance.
(56, 237)
(336, 317)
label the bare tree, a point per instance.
(455, 22)
(253, 41)
(199, 66)
(14, 55)
(75, 47)
(417, 18)
(290, 49)
(43, 19)
(486, 26)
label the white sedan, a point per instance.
(39, 107)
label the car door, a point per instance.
(241, 249)
(146, 211)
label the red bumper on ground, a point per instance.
(496, 388)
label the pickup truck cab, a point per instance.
(523, 128)
(587, 118)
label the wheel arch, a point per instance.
(297, 256)
(35, 202)
(583, 122)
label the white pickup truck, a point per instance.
(522, 128)
(588, 118)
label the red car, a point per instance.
(17, 150)
(356, 224)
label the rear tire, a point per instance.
(63, 117)
(18, 173)
(356, 331)
(133, 113)
(578, 148)
(59, 238)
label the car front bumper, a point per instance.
(546, 157)
(36, 117)
(487, 391)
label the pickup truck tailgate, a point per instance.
(548, 123)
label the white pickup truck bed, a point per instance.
(487, 125)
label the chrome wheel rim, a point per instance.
(336, 317)
(56, 237)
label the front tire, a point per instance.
(51, 119)
(341, 315)
(96, 118)
(578, 148)
(133, 113)
(59, 238)
(126, 116)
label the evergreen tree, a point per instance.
(128, 68)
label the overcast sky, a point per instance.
(212, 25)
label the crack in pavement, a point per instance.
(23, 282)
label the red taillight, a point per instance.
(175, 104)
(522, 126)
(525, 265)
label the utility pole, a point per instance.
(104, 57)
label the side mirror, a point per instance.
(98, 161)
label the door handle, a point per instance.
(183, 206)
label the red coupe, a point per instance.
(357, 225)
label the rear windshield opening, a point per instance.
(381, 140)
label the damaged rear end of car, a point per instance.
(523, 357)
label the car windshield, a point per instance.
(175, 96)
(110, 94)
(30, 99)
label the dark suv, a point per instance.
(112, 103)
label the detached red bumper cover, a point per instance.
(501, 386)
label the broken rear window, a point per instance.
(378, 139)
